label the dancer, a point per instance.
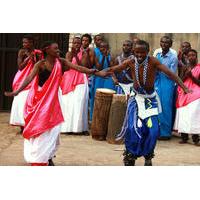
(141, 125)
(43, 115)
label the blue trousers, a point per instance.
(140, 140)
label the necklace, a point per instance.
(137, 65)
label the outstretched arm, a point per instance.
(68, 65)
(118, 68)
(171, 75)
(28, 79)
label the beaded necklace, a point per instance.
(137, 65)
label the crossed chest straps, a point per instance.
(137, 66)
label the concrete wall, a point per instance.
(115, 40)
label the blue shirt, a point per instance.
(170, 60)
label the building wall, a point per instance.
(116, 39)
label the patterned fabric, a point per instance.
(140, 132)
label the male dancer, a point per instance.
(141, 126)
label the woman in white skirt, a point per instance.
(187, 120)
(43, 115)
(27, 57)
(74, 86)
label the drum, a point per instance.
(116, 117)
(103, 99)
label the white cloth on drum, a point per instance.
(75, 109)
(17, 110)
(188, 118)
(42, 148)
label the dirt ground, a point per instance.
(84, 151)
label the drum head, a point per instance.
(106, 90)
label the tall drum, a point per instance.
(103, 99)
(116, 117)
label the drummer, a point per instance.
(141, 126)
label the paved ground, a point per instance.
(84, 151)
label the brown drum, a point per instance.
(103, 99)
(116, 117)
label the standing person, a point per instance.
(141, 124)
(97, 41)
(165, 87)
(134, 40)
(182, 56)
(188, 105)
(27, 57)
(43, 115)
(88, 53)
(124, 80)
(102, 63)
(74, 87)
(159, 50)
(75, 90)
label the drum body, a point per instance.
(116, 117)
(103, 99)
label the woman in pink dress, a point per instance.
(43, 115)
(188, 105)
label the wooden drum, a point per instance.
(102, 103)
(116, 117)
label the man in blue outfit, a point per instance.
(165, 87)
(141, 125)
(103, 60)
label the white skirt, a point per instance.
(188, 118)
(42, 148)
(75, 109)
(17, 110)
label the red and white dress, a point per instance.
(43, 118)
(17, 109)
(75, 94)
(188, 106)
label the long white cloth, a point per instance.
(188, 118)
(17, 110)
(75, 109)
(42, 148)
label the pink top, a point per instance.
(42, 109)
(184, 99)
(22, 74)
(72, 78)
